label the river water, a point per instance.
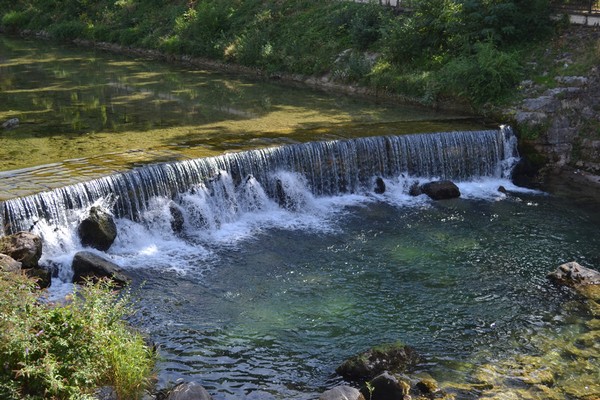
(86, 114)
(259, 300)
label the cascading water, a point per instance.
(290, 260)
(241, 180)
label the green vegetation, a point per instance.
(66, 351)
(466, 50)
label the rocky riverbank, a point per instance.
(557, 117)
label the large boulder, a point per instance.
(87, 265)
(572, 274)
(24, 247)
(98, 229)
(342, 393)
(441, 190)
(395, 357)
(584, 280)
(189, 391)
(9, 264)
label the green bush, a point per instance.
(488, 75)
(365, 26)
(66, 351)
(14, 20)
(69, 30)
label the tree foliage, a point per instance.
(304, 36)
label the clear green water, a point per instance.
(463, 281)
(85, 114)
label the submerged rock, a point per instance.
(391, 357)
(342, 393)
(87, 265)
(379, 185)
(441, 190)
(23, 247)
(98, 229)
(415, 189)
(428, 386)
(283, 198)
(10, 123)
(177, 218)
(189, 391)
(9, 264)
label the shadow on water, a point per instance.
(80, 104)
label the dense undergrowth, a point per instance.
(468, 50)
(50, 351)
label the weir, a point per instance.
(327, 168)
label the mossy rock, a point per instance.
(395, 358)
(539, 377)
(586, 386)
(593, 324)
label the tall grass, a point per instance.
(66, 351)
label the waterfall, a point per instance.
(328, 168)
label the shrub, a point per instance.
(66, 351)
(488, 75)
(351, 66)
(14, 20)
(365, 26)
(69, 30)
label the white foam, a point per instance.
(228, 216)
(488, 189)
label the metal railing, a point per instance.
(397, 4)
(577, 6)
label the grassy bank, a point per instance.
(67, 351)
(469, 52)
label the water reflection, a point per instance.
(80, 104)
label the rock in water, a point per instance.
(342, 393)
(10, 123)
(189, 391)
(415, 189)
(572, 274)
(98, 230)
(379, 185)
(395, 357)
(441, 190)
(87, 265)
(584, 280)
(388, 387)
(23, 247)
(177, 218)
